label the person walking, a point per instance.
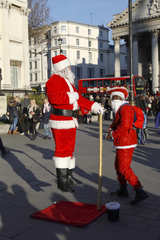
(33, 117)
(46, 110)
(125, 141)
(12, 112)
(66, 102)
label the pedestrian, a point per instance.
(33, 117)
(125, 141)
(46, 110)
(157, 119)
(12, 112)
(24, 114)
(66, 102)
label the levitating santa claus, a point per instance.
(65, 101)
(125, 140)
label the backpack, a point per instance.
(138, 117)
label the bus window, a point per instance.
(85, 84)
(93, 83)
(99, 83)
(116, 83)
(107, 83)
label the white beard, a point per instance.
(115, 104)
(68, 74)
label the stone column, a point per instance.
(135, 55)
(117, 71)
(155, 62)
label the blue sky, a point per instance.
(95, 12)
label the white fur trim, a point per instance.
(73, 97)
(62, 162)
(62, 124)
(120, 94)
(61, 65)
(96, 108)
(126, 147)
(72, 163)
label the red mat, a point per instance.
(73, 213)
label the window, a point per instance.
(89, 43)
(101, 44)
(36, 77)
(99, 83)
(89, 31)
(63, 28)
(35, 64)
(30, 65)
(78, 54)
(30, 54)
(101, 57)
(35, 52)
(31, 77)
(90, 56)
(77, 29)
(101, 33)
(77, 42)
(101, 72)
(55, 29)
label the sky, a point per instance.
(94, 12)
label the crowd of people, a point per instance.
(25, 116)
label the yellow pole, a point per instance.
(100, 164)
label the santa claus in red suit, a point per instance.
(65, 101)
(125, 140)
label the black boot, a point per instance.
(73, 181)
(140, 196)
(122, 191)
(63, 181)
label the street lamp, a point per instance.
(60, 40)
(130, 47)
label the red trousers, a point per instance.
(123, 167)
(65, 140)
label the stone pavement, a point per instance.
(27, 184)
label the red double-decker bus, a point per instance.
(100, 85)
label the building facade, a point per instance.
(146, 43)
(86, 46)
(14, 58)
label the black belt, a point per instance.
(64, 112)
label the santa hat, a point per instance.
(118, 91)
(60, 62)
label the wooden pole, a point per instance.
(100, 163)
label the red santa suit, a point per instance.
(63, 95)
(125, 141)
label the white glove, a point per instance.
(73, 97)
(97, 108)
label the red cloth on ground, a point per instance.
(73, 213)
(123, 168)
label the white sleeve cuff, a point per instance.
(73, 97)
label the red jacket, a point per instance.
(57, 89)
(123, 132)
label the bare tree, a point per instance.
(39, 14)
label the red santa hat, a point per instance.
(118, 91)
(60, 62)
